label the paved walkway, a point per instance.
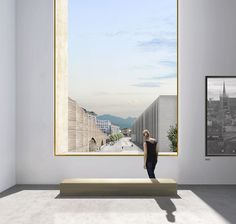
(124, 145)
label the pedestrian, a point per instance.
(150, 153)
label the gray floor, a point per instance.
(43, 204)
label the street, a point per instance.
(124, 145)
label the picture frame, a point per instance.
(220, 116)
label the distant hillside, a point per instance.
(122, 122)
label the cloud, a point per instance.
(133, 102)
(100, 93)
(124, 93)
(130, 93)
(147, 84)
(117, 33)
(159, 77)
(157, 43)
(167, 76)
(168, 63)
(143, 67)
(131, 33)
(143, 33)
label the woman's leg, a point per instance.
(154, 163)
(150, 168)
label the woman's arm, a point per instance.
(157, 150)
(145, 154)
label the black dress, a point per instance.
(151, 158)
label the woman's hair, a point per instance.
(146, 133)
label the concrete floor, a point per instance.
(43, 204)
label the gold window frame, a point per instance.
(56, 121)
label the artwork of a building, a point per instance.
(157, 118)
(221, 124)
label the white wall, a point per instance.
(7, 94)
(207, 46)
(35, 160)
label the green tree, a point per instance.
(112, 138)
(173, 137)
(115, 137)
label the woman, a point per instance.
(150, 153)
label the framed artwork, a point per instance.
(220, 116)
(115, 74)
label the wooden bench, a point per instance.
(118, 187)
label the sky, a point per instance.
(215, 87)
(122, 54)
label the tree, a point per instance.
(173, 137)
(115, 137)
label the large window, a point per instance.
(115, 75)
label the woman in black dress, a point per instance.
(150, 153)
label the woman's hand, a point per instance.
(145, 155)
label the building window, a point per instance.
(115, 75)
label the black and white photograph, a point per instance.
(220, 116)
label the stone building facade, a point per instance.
(83, 133)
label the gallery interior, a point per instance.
(196, 184)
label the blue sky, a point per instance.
(122, 54)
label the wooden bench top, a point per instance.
(118, 181)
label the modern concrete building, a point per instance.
(157, 118)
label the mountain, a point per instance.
(122, 122)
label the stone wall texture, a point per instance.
(82, 129)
